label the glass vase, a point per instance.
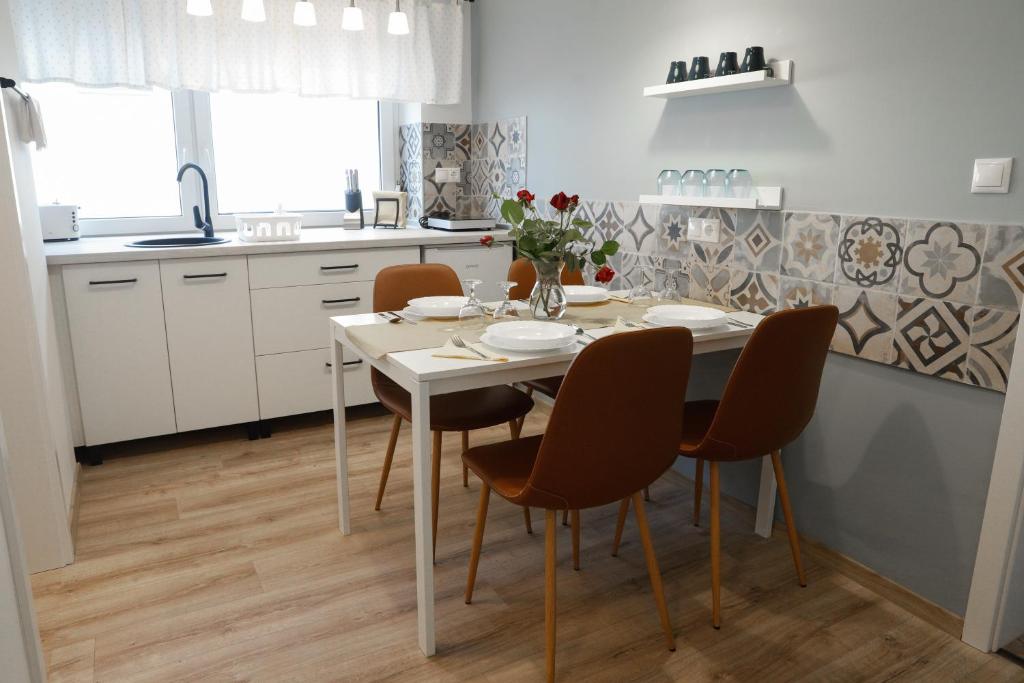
(547, 300)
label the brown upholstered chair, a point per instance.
(767, 403)
(613, 430)
(462, 411)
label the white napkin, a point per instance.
(450, 350)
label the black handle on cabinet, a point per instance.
(346, 363)
(128, 281)
(204, 275)
(356, 265)
(351, 300)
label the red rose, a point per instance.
(525, 196)
(560, 201)
(605, 275)
(575, 199)
(486, 240)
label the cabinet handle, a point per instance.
(339, 267)
(348, 362)
(351, 300)
(204, 275)
(129, 281)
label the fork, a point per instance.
(638, 326)
(738, 323)
(579, 331)
(457, 340)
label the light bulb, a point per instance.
(352, 18)
(305, 13)
(398, 22)
(252, 10)
(199, 8)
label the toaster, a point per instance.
(59, 222)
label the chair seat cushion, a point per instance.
(461, 411)
(697, 417)
(506, 466)
(548, 386)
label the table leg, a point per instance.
(340, 436)
(422, 516)
(766, 499)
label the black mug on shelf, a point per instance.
(700, 69)
(727, 64)
(753, 59)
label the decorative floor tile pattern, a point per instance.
(754, 292)
(866, 319)
(809, 246)
(795, 293)
(943, 261)
(932, 337)
(993, 334)
(758, 241)
(871, 252)
(1002, 274)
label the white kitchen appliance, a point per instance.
(59, 222)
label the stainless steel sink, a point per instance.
(177, 242)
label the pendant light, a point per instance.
(352, 18)
(252, 10)
(199, 8)
(305, 13)
(398, 21)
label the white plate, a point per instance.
(438, 306)
(585, 294)
(693, 317)
(487, 339)
(531, 335)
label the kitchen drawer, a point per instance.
(301, 382)
(209, 339)
(119, 345)
(295, 318)
(325, 267)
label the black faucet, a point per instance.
(207, 225)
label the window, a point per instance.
(115, 153)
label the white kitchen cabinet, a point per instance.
(209, 340)
(119, 344)
(300, 382)
(295, 318)
(489, 264)
(325, 267)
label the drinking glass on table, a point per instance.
(473, 308)
(506, 309)
(642, 291)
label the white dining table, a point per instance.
(423, 376)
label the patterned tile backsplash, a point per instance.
(939, 298)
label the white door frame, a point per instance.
(1003, 524)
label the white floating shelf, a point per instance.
(783, 71)
(765, 198)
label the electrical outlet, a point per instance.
(703, 230)
(455, 174)
(448, 174)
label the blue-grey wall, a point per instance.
(891, 103)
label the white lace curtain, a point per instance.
(143, 43)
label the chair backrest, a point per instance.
(616, 423)
(395, 285)
(523, 274)
(771, 394)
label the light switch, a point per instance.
(703, 230)
(991, 175)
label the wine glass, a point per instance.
(642, 290)
(670, 293)
(472, 308)
(506, 309)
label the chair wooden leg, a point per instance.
(652, 569)
(619, 525)
(396, 425)
(698, 488)
(647, 494)
(565, 517)
(435, 485)
(787, 512)
(716, 551)
(465, 469)
(478, 540)
(576, 540)
(529, 522)
(550, 562)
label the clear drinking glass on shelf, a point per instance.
(506, 309)
(739, 183)
(642, 290)
(668, 183)
(692, 184)
(716, 182)
(473, 308)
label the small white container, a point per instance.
(268, 227)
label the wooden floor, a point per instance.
(220, 559)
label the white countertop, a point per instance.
(111, 249)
